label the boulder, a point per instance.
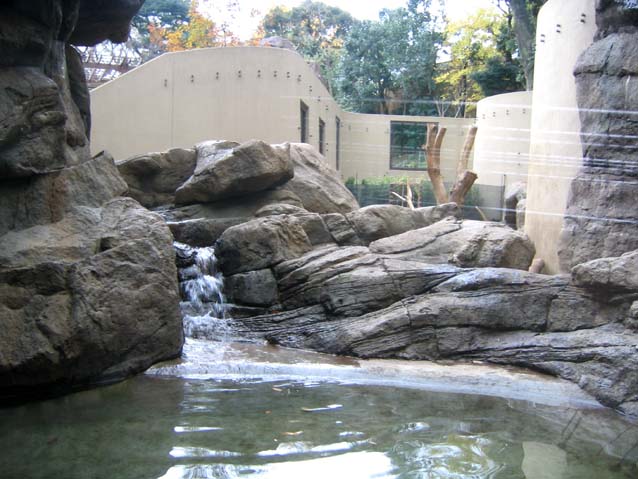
(608, 275)
(317, 185)
(277, 42)
(203, 231)
(254, 288)
(341, 230)
(463, 243)
(88, 285)
(242, 207)
(226, 170)
(279, 209)
(315, 228)
(380, 221)
(260, 244)
(88, 299)
(153, 178)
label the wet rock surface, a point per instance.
(351, 301)
(88, 287)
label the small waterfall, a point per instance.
(204, 307)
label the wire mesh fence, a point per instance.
(482, 202)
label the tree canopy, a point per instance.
(391, 60)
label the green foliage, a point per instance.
(164, 13)
(155, 18)
(394, 57)
(498, 76)
(316, 29)
(481, 61)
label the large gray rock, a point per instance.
(226, 170)
(260, 244)
(349, 301)
(91, 298)
(243, 207)
(601, 217)
(153, 178)
(463, 243)
(380, 221)
(317, 185)
(255, 288)
(203, 231)
(88, 289)
(608, 275)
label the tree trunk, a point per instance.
(525, 37)
(433, 152)
(463, 184)
(467, 150)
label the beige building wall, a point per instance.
(244, 93)
(501, 149)
(565, 29)
(366, 149)
(180, 99)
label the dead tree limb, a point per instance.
(463, 184)
(466, 151)
(433, 153)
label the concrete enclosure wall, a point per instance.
(501, 150)
(243, 93)
(565, 29)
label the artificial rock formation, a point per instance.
(601, 217)
(88, 289)
(219, 184)
(352, 301)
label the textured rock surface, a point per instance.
(203, 231)
(609, 274)
(601, 217)
(380, 221)
(463, 243)
(260, 244)
(318, 186)
(45, 199)
(90, 298)
(88, 289)
(255, 288)
(354, 302)
(153, 178)
(226, 170)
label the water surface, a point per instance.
(171, 427)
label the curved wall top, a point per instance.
(243, 93)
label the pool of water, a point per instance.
(175, 427)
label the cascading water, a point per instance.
(204, 307)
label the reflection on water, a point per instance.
(172, 428)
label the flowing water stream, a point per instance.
(245, 410)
